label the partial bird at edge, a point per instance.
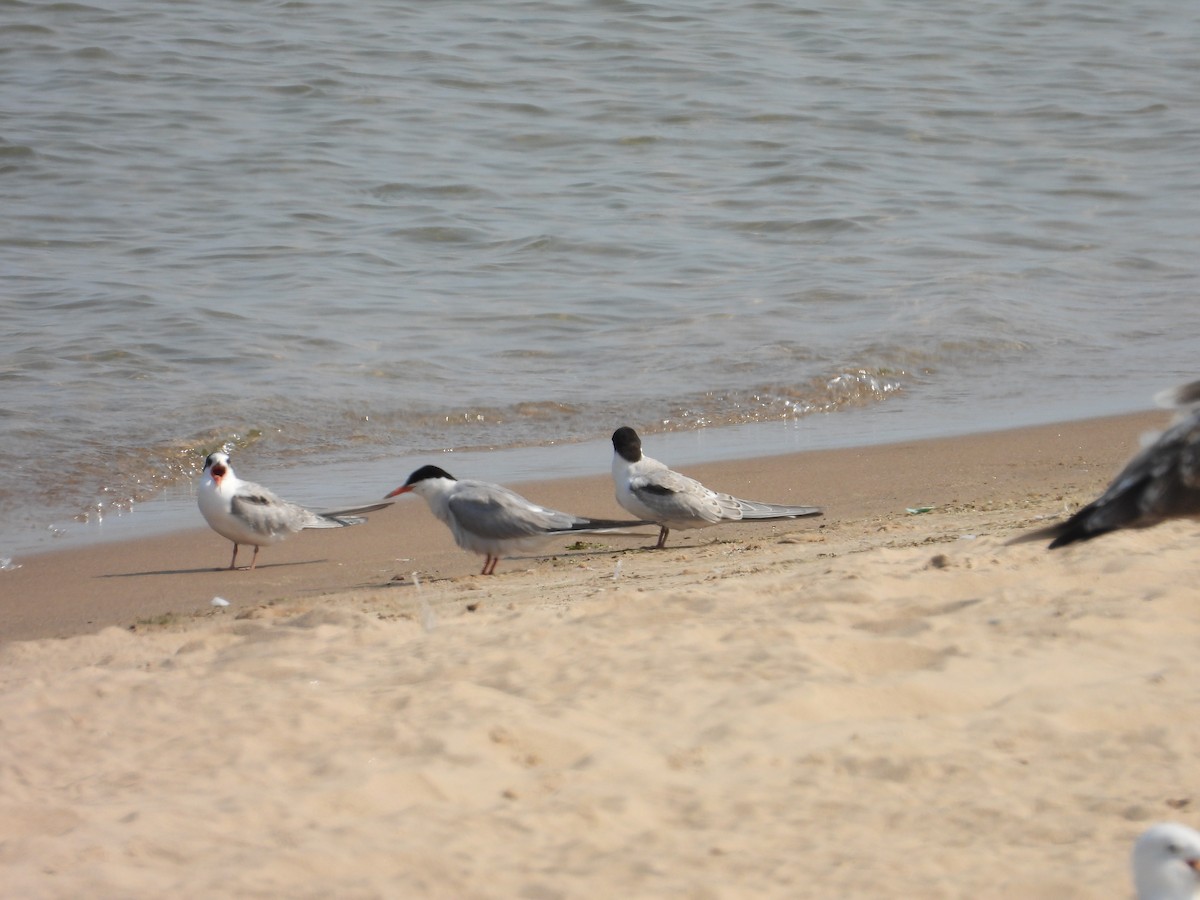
(1166, 862)
(1161, 482)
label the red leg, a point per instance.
(233, 562)
(254, 558)
(662, 537)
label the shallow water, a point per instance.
(358, 236)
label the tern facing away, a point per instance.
(651, 491)
(1161, 482)
(248, 513)
(1166, 863)
(493, 521)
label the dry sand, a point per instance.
(872, 704)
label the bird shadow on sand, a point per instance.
(211, 569)
(518, 565)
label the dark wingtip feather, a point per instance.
(592, 524)
(1062, 533)
(1069, 535)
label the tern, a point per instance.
(493, 521)
(1161, 482)
(1166, 860)
(651, 491)
(248, 513)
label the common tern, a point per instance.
(248, 513)
(1161, 482)
(651, 491)
(1166, 863)
(493, 521)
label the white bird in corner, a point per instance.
(493, 521)
(1166, 863)
(248, 513)
(651, 491)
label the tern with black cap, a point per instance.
(649, 490)
(494, 521)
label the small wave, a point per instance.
(123, 478)
(15, 151)
(440, 234)
(817, 226)
(846, 389)
(119, 479)
(550, 422)
(401, 189)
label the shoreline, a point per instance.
(804, 709)
(172, 508)
(75, 590)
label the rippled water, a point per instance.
(364, 233)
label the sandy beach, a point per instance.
(874, 703)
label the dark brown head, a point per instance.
(627, 444)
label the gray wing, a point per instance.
(265, 513)
(678, 498)
(753, 509)
(496, 513)
(674, 497)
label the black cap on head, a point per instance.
(427, 472)
(627, 444)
